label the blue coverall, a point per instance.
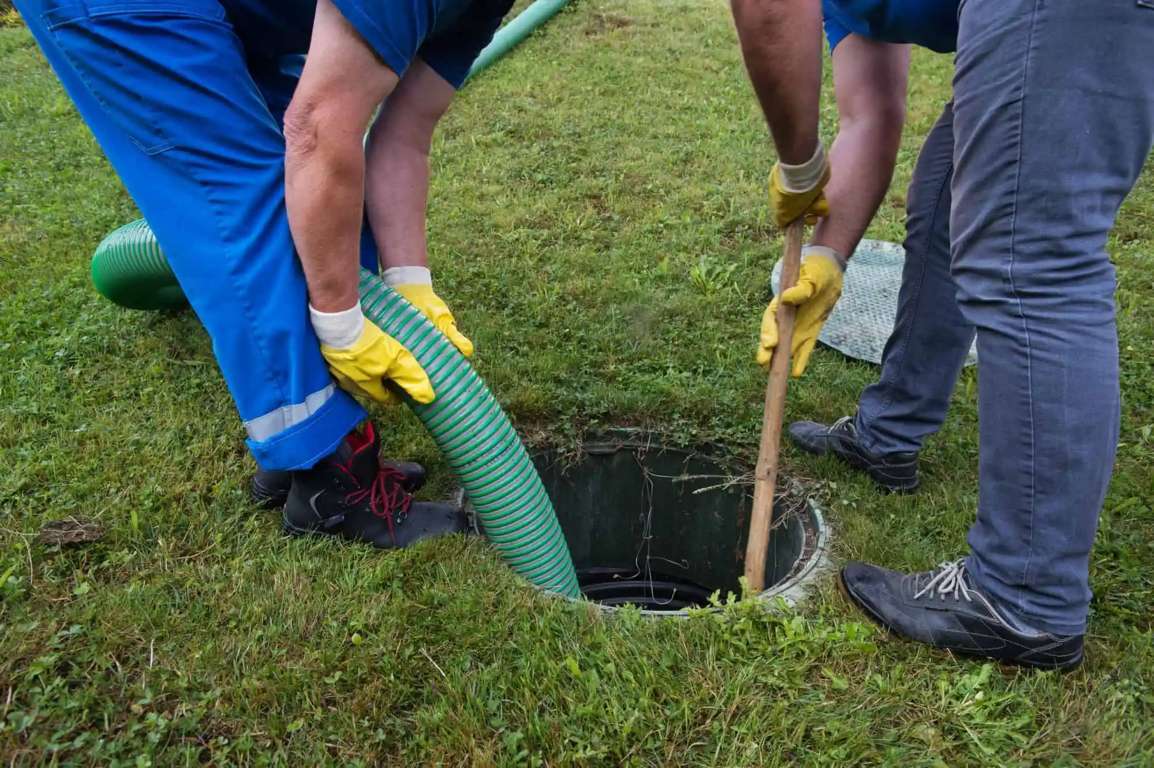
(187, 98)
(1012, 199)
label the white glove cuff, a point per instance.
(408, 276)
(804, 177)
(339, 330)
(829, 253)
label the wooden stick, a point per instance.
(765, 476)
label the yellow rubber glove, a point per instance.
(817, 290)
(788, 206)
(363, 368)
(433, 307)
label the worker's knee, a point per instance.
(302, 127)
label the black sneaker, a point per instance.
(352, 495)
(893, 471)
(944, 609)
(269, 488)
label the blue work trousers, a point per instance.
(1052, 121)
(191, 119)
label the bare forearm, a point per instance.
(397, 187)
(324, 185)
(397, 193)
(862, 158)
(870, 85)
(781, 45)
(342, 83)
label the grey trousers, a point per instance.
(931, 337)
(1052, 120)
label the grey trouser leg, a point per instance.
(1053, 120)
(931, 337)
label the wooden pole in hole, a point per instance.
(765, 476)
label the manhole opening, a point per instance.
(663, 528)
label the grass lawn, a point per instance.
(598, 223)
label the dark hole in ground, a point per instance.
(663, 528)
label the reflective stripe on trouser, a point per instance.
(168, 93)
(273, 423)
(1053, 120)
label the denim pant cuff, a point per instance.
(867, 437)
(994, 590)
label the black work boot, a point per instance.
(269, 488)
(944, 609)
(352, 495)
(892, 471)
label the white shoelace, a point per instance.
(837, 424)
(949, 580)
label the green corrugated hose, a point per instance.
(511, 35)
(465, 420)
(129, 269)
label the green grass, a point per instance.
(598, 224)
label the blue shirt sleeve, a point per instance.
(931, 24)
(835, 30)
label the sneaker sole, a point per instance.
(288, 529)
(1010, 664)
(876, 472)
(264, 497)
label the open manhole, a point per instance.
(664, 529)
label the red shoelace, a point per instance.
(387, 497)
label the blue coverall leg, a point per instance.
(187, 97)
(166, 89)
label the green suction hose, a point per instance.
(476, 437)
(465, 420)
(511, 35)
(134, 273)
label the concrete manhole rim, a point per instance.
(812, 566)
(813, 563)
